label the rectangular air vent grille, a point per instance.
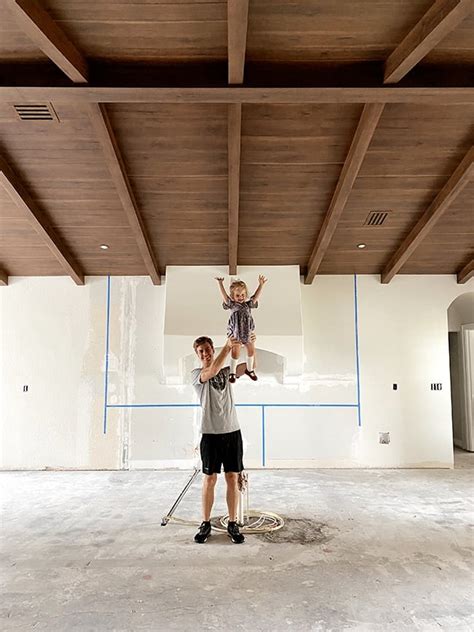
(376, 218)
(36, 112)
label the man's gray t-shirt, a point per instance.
(218, 411)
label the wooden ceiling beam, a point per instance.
(233, 159)
(13, 186)
(466, 273)
(237, 24)
(237, 94)
(440, 19)
(3, 277)
(43, 31)
(453, 187)
(363, 135)
(105, 134)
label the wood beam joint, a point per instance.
(440, 19)
(46, 34)
(466, 273)
(237, 25)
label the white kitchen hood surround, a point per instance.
(194, 308)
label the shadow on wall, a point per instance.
(270, 366)
(461, 365)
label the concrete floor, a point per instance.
(364, 550)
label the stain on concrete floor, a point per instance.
(299, 531)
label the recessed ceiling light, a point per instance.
(361, 245)
(104, 247)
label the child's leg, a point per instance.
(250, 356)
(235, 354)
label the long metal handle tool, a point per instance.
(166, 519)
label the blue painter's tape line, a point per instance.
(302, 405)
(258, 405)
(107, 336)
(153, 406)
(356, 326)
(263, 436)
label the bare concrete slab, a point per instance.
(363, 550)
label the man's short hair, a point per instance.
(202, 340)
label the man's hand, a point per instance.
(233, 342)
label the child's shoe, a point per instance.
(251, 375)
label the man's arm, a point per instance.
(218, 362)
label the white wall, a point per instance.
(461, 311)
(53, 338)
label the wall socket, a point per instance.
(384, 437)
(436, 386)
(25, 388)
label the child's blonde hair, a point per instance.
(237, 284)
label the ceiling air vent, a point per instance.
(376, 218)
(36, 112)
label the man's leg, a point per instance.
(208, 485)
(232, 495)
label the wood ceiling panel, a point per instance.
(176, 159)
(178, 185)
(284, 255)
(427, 261)
(292, 157)
(171, 205)
(302, 178)
(201, 220)
(329, 30)
(450, 242)
(23, 251)
(300, 120)
(63, 168)
(413, 153)
(194, 256)
(166, 31)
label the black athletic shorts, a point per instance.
(222, 449)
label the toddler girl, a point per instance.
(241, 323)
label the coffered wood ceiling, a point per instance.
(247, 132)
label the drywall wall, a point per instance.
(54, 340)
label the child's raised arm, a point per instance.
(261, 282)
(225, 296)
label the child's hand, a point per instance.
(262, 279)
(219, 279)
